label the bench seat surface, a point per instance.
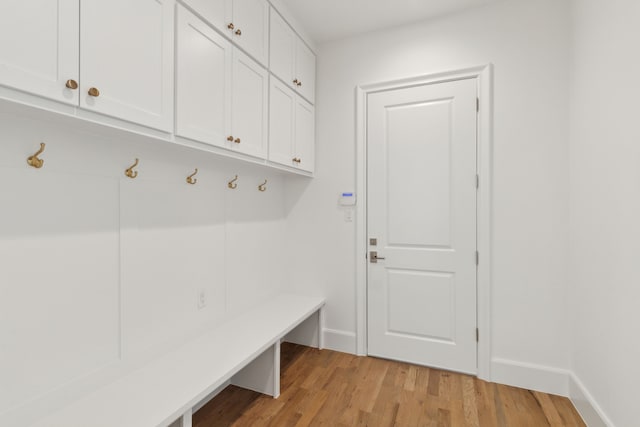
(162, 390)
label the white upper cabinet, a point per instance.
(282, 107)
(249, 113)
(291, 128)
(282, 51)
(251, 28)
(39, 47)
(305, 71)
(126, 60)
(246, 22)
(305, 135)
(203, 79)
(290, 59)
(218, 13)
(111, 57)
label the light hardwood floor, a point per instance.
(326, 388)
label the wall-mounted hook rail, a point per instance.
(232, 184)
(190, 179)
(130, 172)
(263, 186)
(34, 160)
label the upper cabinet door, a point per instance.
(203, 92)
(282, 49)
(290, 59)
(39, 47)
(217, 12)
(126, 60)
(305, 135)
(282, 107)
(251, 28)
(306, 71)
(249, 112)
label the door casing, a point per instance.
(484, 76)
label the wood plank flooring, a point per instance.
(327, 388)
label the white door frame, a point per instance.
(484, 76)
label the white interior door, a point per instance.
(422, 211)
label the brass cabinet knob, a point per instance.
(299, 83)
(230, 138)
(72, 84)
(237, 140)
(295, 82)
(231, 26)
(94, 92)
(296, 160)
(238, 32)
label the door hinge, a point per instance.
(477, 258)
(478, 105)
(477, 335)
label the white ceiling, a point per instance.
(326, 20)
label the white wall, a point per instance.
(528, 42)
(99, 272)
(605, 210)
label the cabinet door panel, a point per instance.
(305, 135)
(217, 12)
(203, 103)
(306, 71)
(249, 113)
(282, 105)
(282, 49)
(251, 19)
(127, 54)
(39, 47)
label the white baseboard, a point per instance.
(532, 377)
(342, 341)
(589, 410)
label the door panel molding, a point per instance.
(484, 76)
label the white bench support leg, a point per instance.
(187, 419)
(309, 332)
(262, 374)
(321, 328)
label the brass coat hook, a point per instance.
(263, 186)
(130, 172)
(232, 184)
(190, 179)
(34, 160)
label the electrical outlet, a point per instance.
(202, 299)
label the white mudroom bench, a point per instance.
(244, 351)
